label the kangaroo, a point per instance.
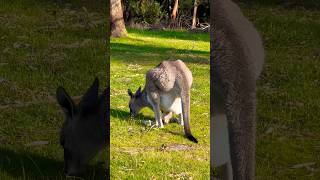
(167, 90)
(237, 58)
(85, 129)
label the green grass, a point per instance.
(42, 46)
(288, 93)
(136, 151)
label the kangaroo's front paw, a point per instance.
(166, 121)
(166, 118)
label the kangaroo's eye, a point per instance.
(62, 141)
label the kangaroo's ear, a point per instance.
(90, 99)
(65, 101)
(138, 92)
(130, 93)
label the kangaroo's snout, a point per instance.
(75, 170)
(131, 114)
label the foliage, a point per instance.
(155, 11)
(146, 11)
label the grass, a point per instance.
(288, 92)
(136, 151)
(44, 45)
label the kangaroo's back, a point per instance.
(184, 71)
(237, 58)
(170, 74)
(238, 32)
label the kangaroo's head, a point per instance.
(82, 134)
(136, 102)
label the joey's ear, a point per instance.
(90, 99)
(130, 93)
(65, 101)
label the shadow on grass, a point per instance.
(125, 115)
(172, 34)
(174, 133)
(26, 165)
(127, 52)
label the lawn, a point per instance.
(138, 152)
(44, 45)
(288, 144)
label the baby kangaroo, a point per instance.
(167, 90)
(237, 57)
(85, 130)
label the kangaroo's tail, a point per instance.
(191, 138)
(185, 101)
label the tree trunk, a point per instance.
(118, 28)
(174, 11)
(194, 17)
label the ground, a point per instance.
(138, 152)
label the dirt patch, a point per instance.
(163, 147)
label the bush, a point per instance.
(146, 11)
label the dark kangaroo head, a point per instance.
(137, 102)
(82, 134)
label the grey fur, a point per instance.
(237, 58)
(84, 131)
(167, 90)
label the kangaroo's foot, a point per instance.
(159, 125)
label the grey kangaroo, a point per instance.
(237, 57)
(84, 131)
(167, 90)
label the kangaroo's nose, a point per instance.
(72, 174)
(65, 169)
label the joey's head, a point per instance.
(136, 102)
(80, 135)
